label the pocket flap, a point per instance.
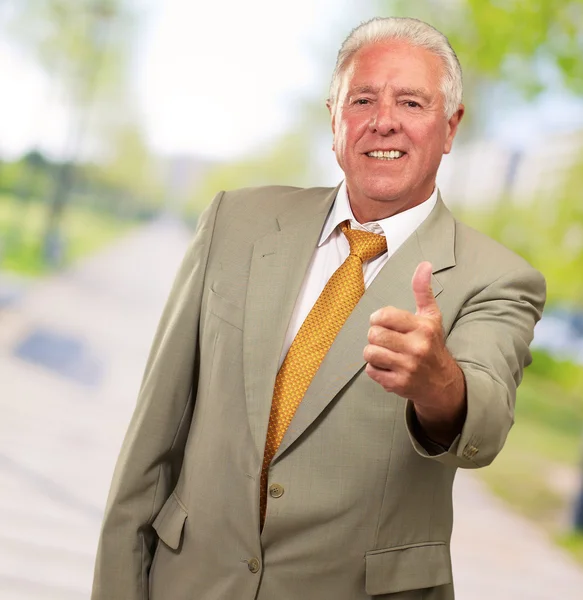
(225, 309)
(170, 522)
(411, 567)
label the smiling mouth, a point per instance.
(386, 155)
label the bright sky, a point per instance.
(212, 78)
(219, 78)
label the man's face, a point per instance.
(389, 100)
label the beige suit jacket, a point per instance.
(366, 508)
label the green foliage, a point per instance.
(549, 409)
(518, 479)
(564, 373)
(573, 542)
(80, 43)
(288, 162)
(22, 223)
(28, 177)
(544, 445)
(128, 185)
(83, 45)
(549, 406)
(547, 231)
(130, 167)
(508, 39)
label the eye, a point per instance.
(362, 101)
(412, 104)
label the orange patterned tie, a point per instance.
(313, 340)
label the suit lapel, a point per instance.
(278, 266)
(433, 241)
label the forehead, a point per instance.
(394, 63)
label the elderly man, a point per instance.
(326, 361)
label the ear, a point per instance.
(452, 126)
(332, 112)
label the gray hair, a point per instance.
(415, 32)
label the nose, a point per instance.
(384, 120)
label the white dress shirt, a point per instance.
(333, 249)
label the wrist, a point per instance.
(442, 419)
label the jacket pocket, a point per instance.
(170, 522)
(411, 567)
(225, 309)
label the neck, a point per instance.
(366, 210)
(380, 210)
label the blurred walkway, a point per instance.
(63, 420)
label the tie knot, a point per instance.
(364, 244)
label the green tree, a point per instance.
(290, 160)
(530, 45)
(130, 167)
(82, 45)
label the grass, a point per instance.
(22, 228)
(543, 447)
(573, 542)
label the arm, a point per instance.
(151, 455)
(489, 341)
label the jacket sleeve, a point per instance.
(151, 455)
(489, 340)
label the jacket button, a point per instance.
(275, 490)
(470, 451)
(254, 565)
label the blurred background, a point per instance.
(119, 122)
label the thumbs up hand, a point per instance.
(407, 355)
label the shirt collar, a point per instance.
(396, 228)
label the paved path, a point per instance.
(59, 437)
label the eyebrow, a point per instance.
(363, 89)
(419, 92)
(403, 91)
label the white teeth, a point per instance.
(389, 155)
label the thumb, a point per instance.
(421, 284)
